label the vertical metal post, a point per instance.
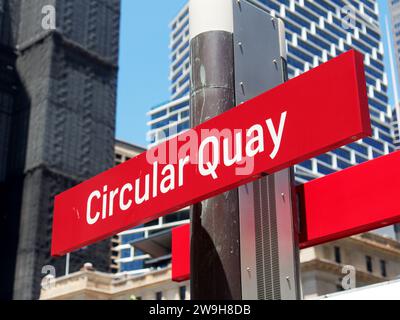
(67, 259)
(215, 249)
(268, 223)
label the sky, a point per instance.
(144, 62)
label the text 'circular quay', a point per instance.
(194, 158)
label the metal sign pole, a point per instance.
(268, 231)
(215, 251)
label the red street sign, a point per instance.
(181, 253)
(352, 201)
(356, 200)
(318, 111)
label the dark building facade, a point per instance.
(57, 126)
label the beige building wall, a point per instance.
(89, 284)
(321, 273)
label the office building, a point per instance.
(9, 89)
(393, 40)
(168, 120)
(58, 110)
(394, 9)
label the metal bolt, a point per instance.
(283, 196)
(239, 4)
(242, 86)
(288, 281)
(240, 46)
(273, 22)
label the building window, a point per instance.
(338, 255)
(182, 293)
(368, 261)
(383, 268)
(158, 295)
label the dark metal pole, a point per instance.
(215, 248)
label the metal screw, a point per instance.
(283, 196)
(240, 46)
(273, 22)
(242, 86)
(288, 281)
(239, 4)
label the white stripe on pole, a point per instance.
(210, 15)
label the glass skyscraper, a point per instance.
(394, 7)
(394, 35)
(316, 31)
